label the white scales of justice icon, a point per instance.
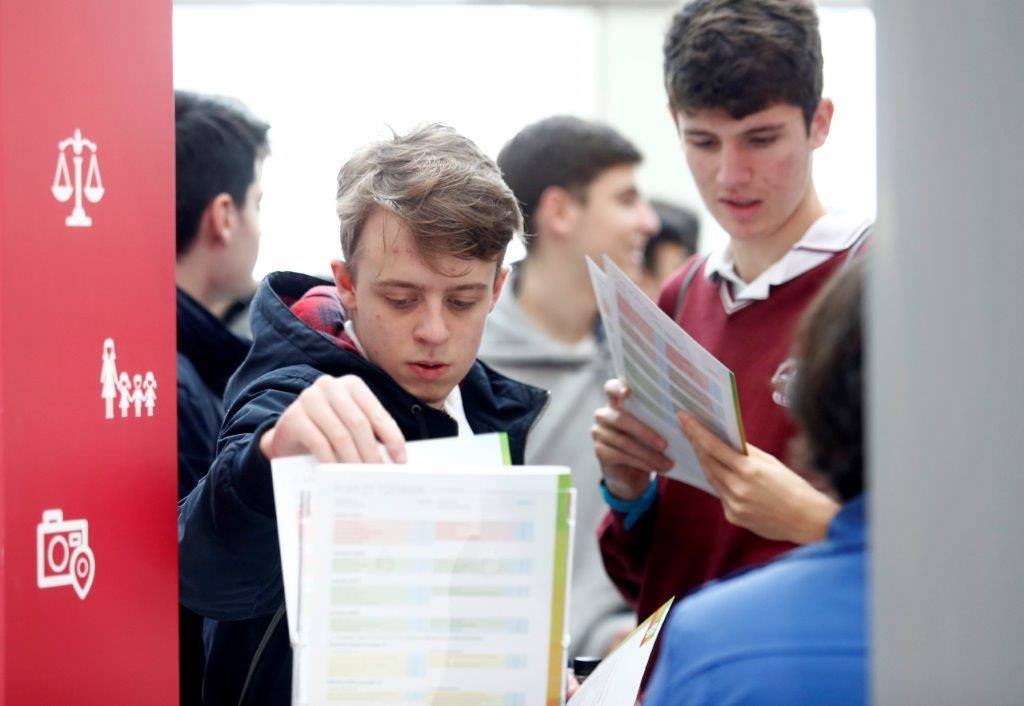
(62, 187)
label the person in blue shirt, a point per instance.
(793, 631)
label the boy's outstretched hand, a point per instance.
(759, 492)
(338, 420)
(627, 449)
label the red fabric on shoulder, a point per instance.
(321, 309)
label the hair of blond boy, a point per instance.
(449, 194)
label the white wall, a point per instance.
(333, 76)
(946, 338)
(632, 98)
(330, 78)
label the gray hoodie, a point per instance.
(575, 377)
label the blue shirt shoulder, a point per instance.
(792, 631)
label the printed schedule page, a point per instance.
(443, 586)
(667, 371)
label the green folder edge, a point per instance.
(560, 579)
(506, 452)
(736, 406)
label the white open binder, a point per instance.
(432, 582)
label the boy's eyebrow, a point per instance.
(402, 284)
(398, 284)
(692, 131)
(764, 128)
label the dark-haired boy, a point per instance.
(219, 150)
(386, 352)
(576, 182)
(219, 153)
(744, 79)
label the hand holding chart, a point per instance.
(667, 371)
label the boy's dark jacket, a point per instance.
(227, 534)
(208, 353)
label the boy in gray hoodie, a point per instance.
(575, 181)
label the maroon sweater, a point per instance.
(684, 540)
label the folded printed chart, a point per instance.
(667, 371)
(616, 681)
(429, 582)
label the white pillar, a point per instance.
(946, 336)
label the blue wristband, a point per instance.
(632, 509)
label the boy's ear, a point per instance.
(346, 287)
(218, 220)
(821, 122)
(556, 212)
(499, 284)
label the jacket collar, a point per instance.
(212, 349)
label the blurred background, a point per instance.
(332, 76)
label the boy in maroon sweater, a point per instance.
(744, 80)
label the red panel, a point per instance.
(102, 67)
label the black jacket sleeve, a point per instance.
(229, 559)
(198, 423)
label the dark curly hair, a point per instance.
(742, 56)
(827, 394)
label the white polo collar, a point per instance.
(832, 233)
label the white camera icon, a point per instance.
(63, 556)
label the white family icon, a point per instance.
(132, 392)
(63, 188)
(63, 555)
